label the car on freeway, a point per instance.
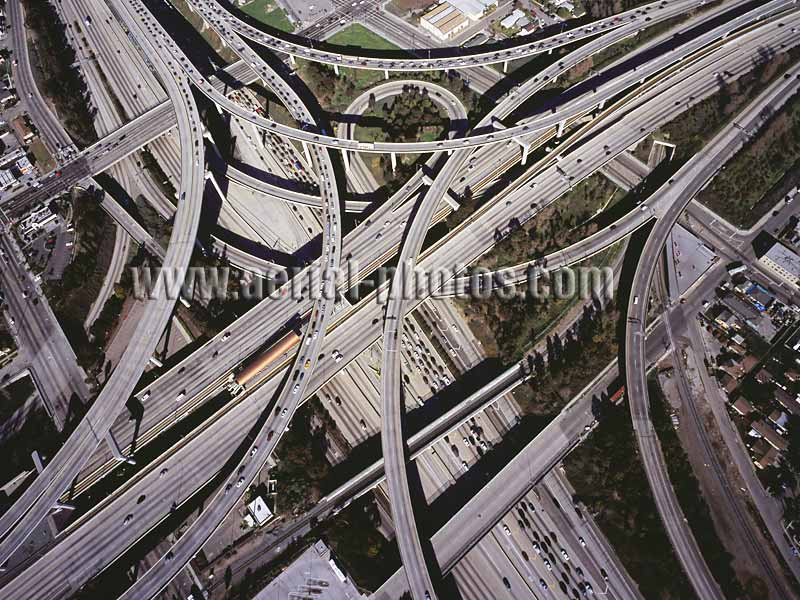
(543, 584)
(507, 530)
(547, 565)
(240, 483)
(564, 555)
(582, 542)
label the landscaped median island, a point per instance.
(607, 475)
(766, 168)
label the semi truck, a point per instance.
(238, 381)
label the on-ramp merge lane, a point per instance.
(35, 503)
(687, 182)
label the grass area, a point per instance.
(609, 480)
(693, 504)
(557, 226)
(739, 195)
(41, 156)
(572, 362)
(13, 396)
(359, 36)
(761, 173)
(269, 13)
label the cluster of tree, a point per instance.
(333, 92)
(783, 477)
(72, 295)
(150, 163)
(571, 361)
(61, 81)
(405, 116)
(302, 464)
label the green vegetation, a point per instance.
(761, 173)
(512, 320)
(150, 163)
(302, 465)
(41, 156)
(737, 196)
(692, 502)
(223, 53)
(359, 36)
(405, 118)
(269, 13)
(599, 9)
(355, 541)
(411, 116)
(52, 60)
(609, 480)
(72, 295)
(557, 226)
(571, 363)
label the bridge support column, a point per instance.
(601, 105)
(307, 153)
(561, 126)
(292, 60)
(550, 51)
(336, 69)
(115, 451)
(346, 161)
(386, 73)
(525, 147)
(394, 162)
(505, 66)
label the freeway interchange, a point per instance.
(623, 107)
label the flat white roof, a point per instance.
(784, 258)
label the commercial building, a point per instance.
(783, 262)
(473, 9)
(444, 21)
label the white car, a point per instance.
(582, 542)
(507, 530)
(296, 388)
(285, 412)
(564, 555)
(240, 483)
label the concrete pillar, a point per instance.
(505, 66)
(525, 154)
(345, 160)
(386, 73)
(601, 105)
(292, 60)
(336, 69)
(561, 126)
(550, 51)
(450, 152)
(307, 153)
(394, 162)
